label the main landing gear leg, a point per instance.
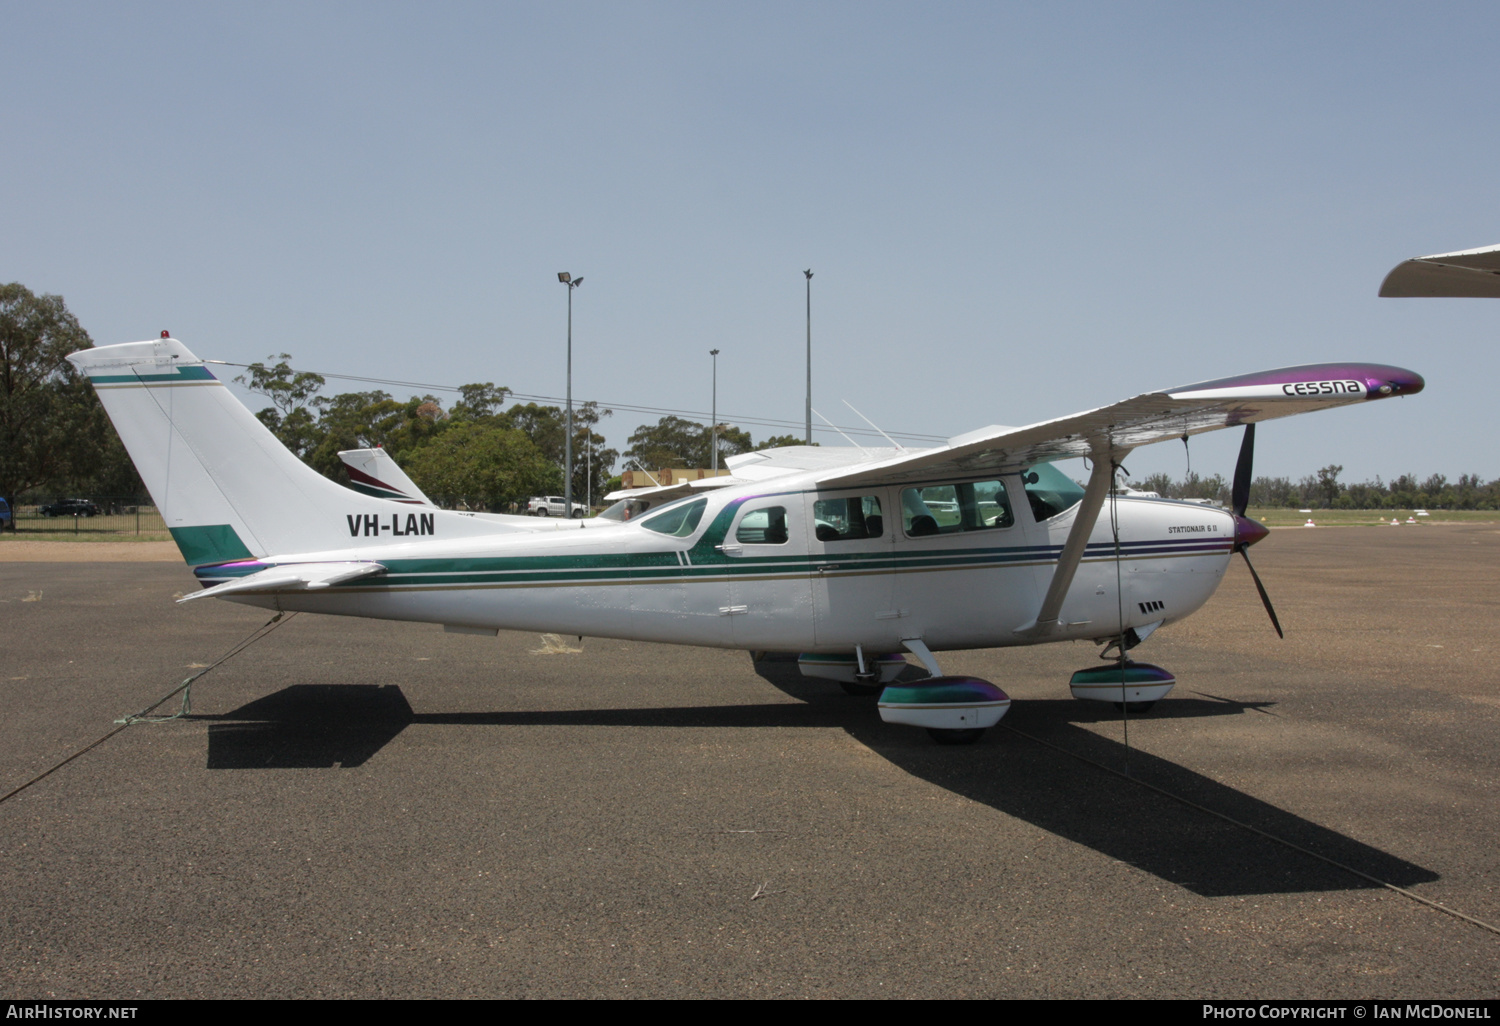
(866, 682)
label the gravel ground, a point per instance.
(371, 809)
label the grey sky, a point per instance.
(1013, 211)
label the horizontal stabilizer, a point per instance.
(292, 577)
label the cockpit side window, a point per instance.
(765, 526)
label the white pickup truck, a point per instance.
(554, 506)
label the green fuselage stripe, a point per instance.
(665, 567)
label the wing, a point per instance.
(1153, 417)
(1469, 272)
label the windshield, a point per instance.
(625, 509)
(678, 519)
(1050, 491)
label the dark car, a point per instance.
(6, 520)
(70, 508)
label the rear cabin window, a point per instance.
(763, 527)
(679, 519)
(951, 508)
(848, 519)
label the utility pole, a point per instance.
(715, 354)
(808, 272)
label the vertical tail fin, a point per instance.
(226, 487)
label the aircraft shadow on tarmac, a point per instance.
(321, 726)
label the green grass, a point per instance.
(1369, 517)
(84, 535)
(139, 524)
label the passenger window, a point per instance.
(763, 527)
(850, 519)
(950, 508)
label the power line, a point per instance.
(628, 407)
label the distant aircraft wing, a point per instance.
(373, 472)
(1152, 417)
(661, 493)
(290, 577)
(1467, 273)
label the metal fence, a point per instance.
(102, 516)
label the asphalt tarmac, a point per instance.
(363, 809)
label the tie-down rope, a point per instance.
(185, 689)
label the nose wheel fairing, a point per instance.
(1131, 682)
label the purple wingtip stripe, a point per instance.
(1373, 375)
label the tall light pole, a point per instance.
(715, 354)
(572, 283)
(808, 272)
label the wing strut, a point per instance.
(1100, 482)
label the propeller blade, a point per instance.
(1264, 598)
(1240, 495)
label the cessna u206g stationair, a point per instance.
(850, 556)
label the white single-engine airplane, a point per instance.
(852, 557)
